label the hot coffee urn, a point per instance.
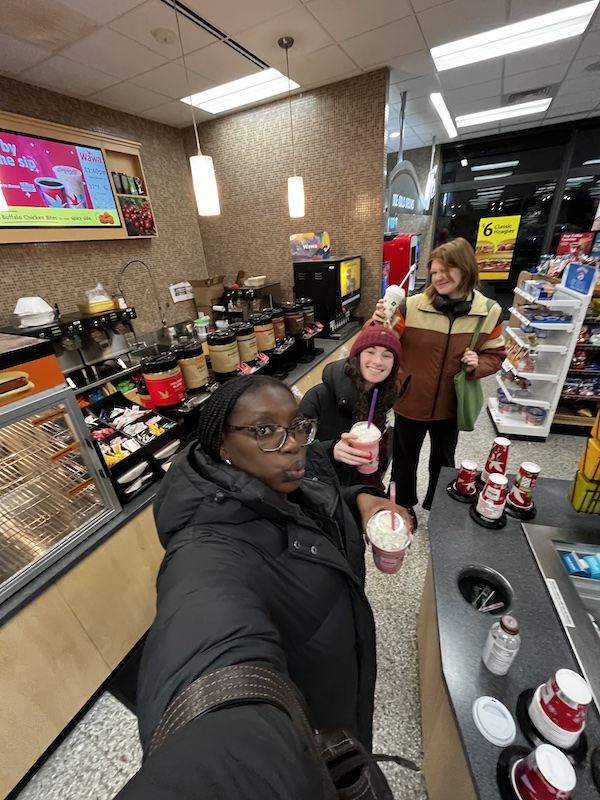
(307, 351)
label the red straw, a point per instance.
(393, 504)
(372, 409)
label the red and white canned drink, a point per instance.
(521, 492)
(467, 476)
(497, 460)
(491, 501)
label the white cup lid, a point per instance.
(494, 721)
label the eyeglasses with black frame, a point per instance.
(272, 437)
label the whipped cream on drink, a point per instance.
(381, 534)
(365, 433)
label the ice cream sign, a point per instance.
(48, 183)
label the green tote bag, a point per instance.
(469, 396)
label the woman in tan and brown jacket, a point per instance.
(436, 329)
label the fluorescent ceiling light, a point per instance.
(438, 101)
(492, 177)
(593, 161)
(464, 162)
(547, 28)
(499, 165)
(394, 135)
(259, 86)
(504, 112)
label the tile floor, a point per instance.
(103, 751)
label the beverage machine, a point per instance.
(333, 284)
(400, 261)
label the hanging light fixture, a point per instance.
(295, 183)
(202, 167)
(3, 203)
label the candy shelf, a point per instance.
(553, 352)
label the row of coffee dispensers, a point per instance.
(274, 340)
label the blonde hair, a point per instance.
(458, 254)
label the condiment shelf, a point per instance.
(540, 348)
(535, 376)
(566, 327)
(515, 424)
(522, 401)
(553, 303)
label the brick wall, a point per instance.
(60, 272)
(339, 136)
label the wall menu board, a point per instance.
(48, 183)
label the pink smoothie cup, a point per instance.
(389, 547)
(368, 438)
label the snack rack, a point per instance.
(546, 345)
(53, 489)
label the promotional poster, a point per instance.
(575, 244)
(310, 246)
(53, 184)
(496, 240)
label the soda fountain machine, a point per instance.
(333, 285)
(400, 261)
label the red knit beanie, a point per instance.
(378, 336)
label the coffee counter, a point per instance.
(458, 761)
(65, 633)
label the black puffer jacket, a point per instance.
(332, 403)
(250, 577)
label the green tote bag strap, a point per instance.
(469, 396)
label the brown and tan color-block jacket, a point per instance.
(433, 346)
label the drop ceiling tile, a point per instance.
(595, 23)
(414, 65)
(419, 87)
(103, 11)
(459, 19)
(177, 114)
(481, 91)
(117, 55)
(590, 45)
(541, 57)
(298, 23)
(45, 23)
(526, 9)
(220, 63)
(418, 105)
(589, 82)
(128, 97)
(389, 41)
(344, 19)
(583, 101)
(473, 106)
(422, 118)
(233, 16)
(423, 5)
(16, 56)
(320, 67)
(154, 15)
(66, 76)
(472, 74)
(169, 79)
(535, 79)
(578, 69)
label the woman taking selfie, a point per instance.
(264, 565)
(436, 329)
(344, 397)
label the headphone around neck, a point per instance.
(458, 308)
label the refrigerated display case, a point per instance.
(54, 492)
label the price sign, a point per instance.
(496, 240)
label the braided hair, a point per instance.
(221, 404)
(386, 397)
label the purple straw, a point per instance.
(372, 409)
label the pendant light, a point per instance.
(202, 167)
(295, 183)
(3, 203)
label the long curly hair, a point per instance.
(386, 397)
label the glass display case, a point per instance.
(54, 491)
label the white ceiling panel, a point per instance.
(578, 69)
(541, 57)
(422, 118)
(472, 106)
(16, 56)
(526, 9)
(233, 16)
(418, 105)
(169, 79)
(344, 19)
(472, 74)
(414, 65)
(588, 83)
(590, 45)
(221, 63)
(127, 58)
(582, 101)
(481, 91)
(595, 23)
(177, 114)
(307, 33)
(460, 18)
(153, 15)
(103, 11)
(45, 23)
(528, 81)
(129, 97)
(389, 41)
(66, 76)
(321, 67)
(419, 87)
(423, 5)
